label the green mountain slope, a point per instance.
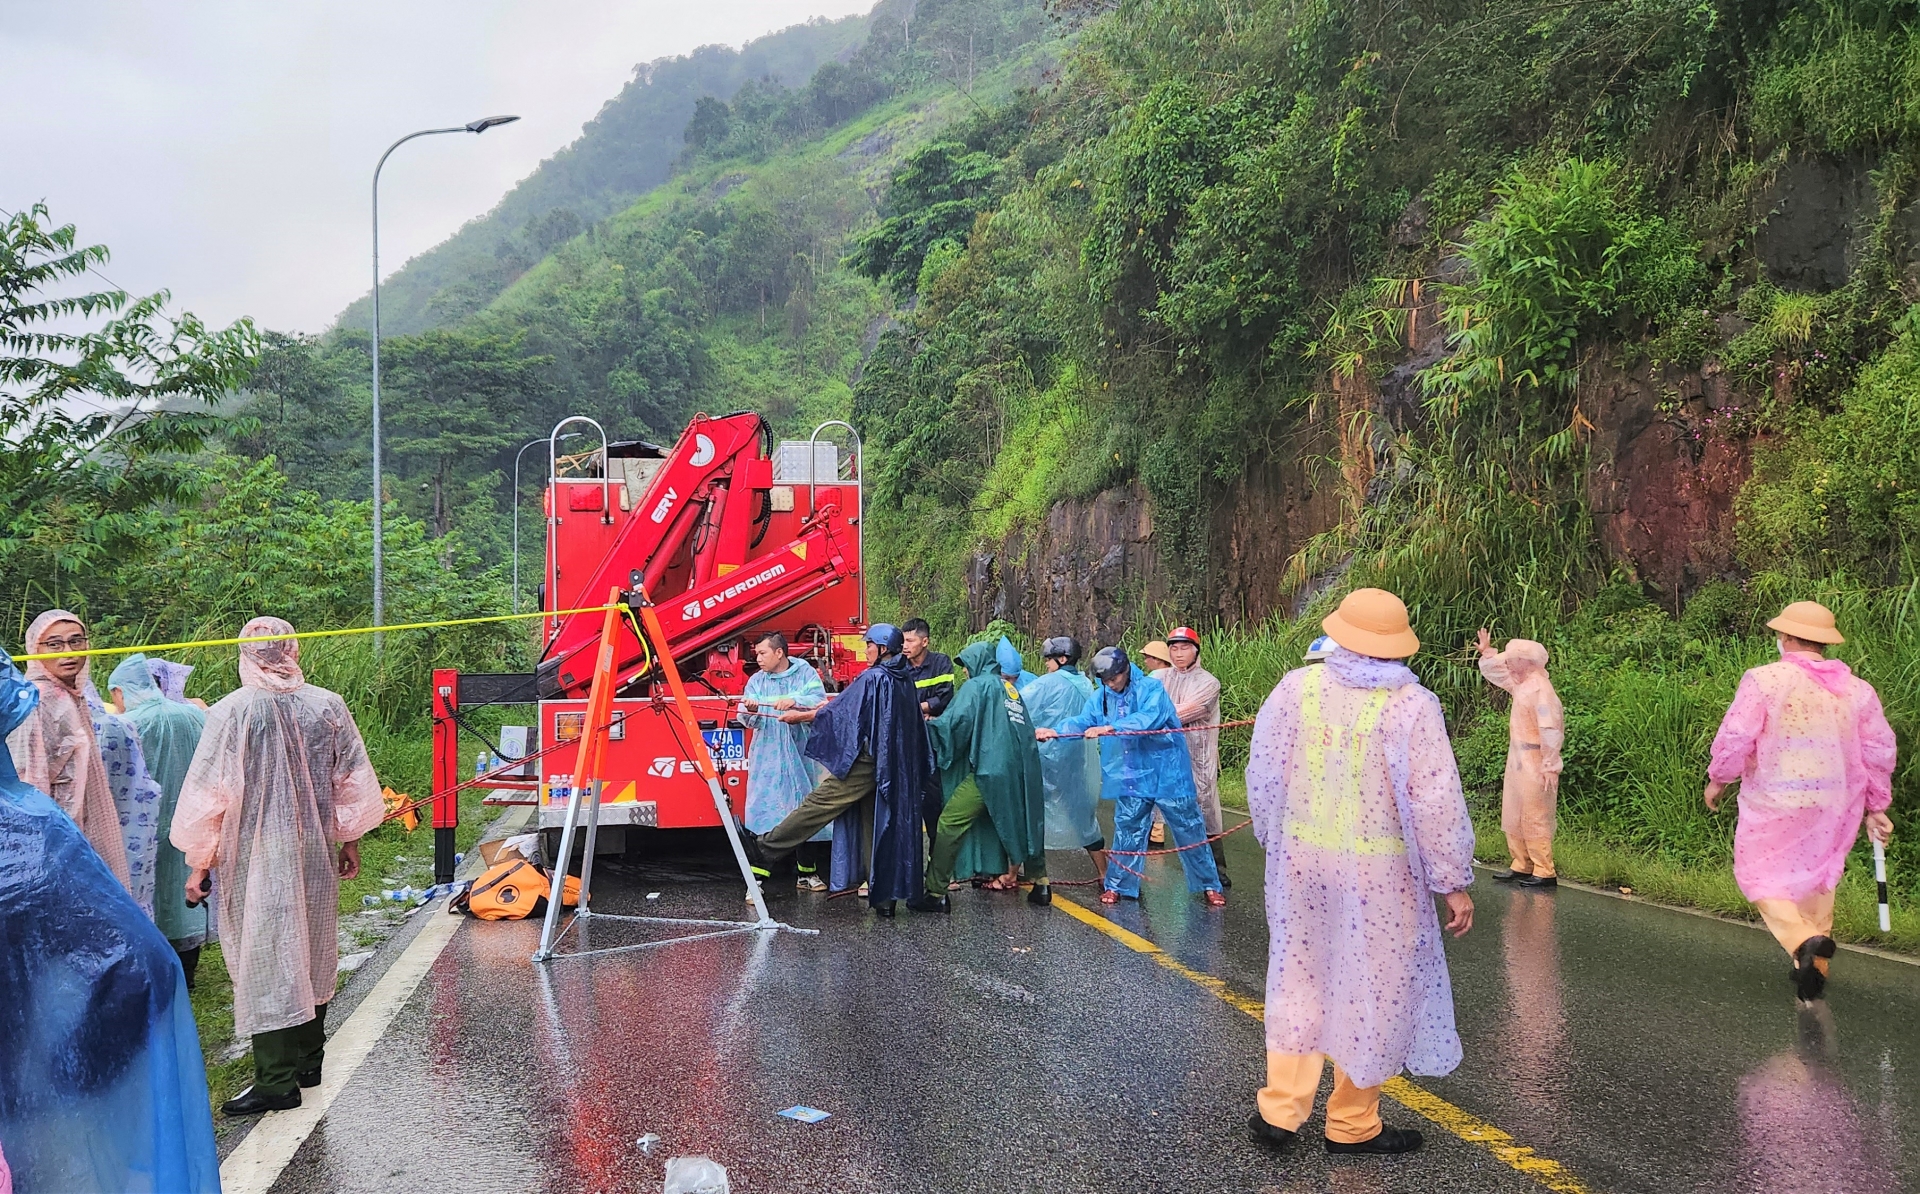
(626, 150)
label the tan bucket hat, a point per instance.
(1808, 620)
(1372, 622)
(1157, 649)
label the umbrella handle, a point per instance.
(1880, 879)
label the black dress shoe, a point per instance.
(884, 909)
(1542, 881)
(308, 1077)
(1277, 1140)
(1509, 876)
(1041, 895)
(1389, 1141)
(926, 901)
(1809, 984)
(255, 1103)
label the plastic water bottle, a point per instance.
(458, 859)
(482, 763)
(367, 901)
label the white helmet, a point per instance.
(1319, 649)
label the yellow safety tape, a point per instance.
(1464, 1124)
(268, 638)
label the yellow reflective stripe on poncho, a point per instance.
(930, 681)
(1333, 804)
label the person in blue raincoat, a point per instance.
(1142, 771)
(1070, 766)
(169, 734)
(872, 742)
(779, 775)
(102, 1085)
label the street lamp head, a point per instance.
(487, 122)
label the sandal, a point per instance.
(1109, 897)
(999, 883)
(1216, 899)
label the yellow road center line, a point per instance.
(1464, 1124)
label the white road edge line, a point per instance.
(257, 1163)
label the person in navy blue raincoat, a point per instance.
(871, 740)
(1142, 771)
(102, 1085)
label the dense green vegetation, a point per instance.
(1219, 215)
(1036, 254)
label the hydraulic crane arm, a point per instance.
(698, 515)
(701, 617)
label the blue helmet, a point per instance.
(1109, 662)
(1319, 649)
(886, 637)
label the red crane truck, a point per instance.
(730, 536)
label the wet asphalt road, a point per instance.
(1010, 1047)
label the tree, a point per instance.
(97, 420)
(458, 397)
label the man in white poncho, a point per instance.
(279, 778)
(1354, 794)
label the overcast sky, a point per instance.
(224, 150)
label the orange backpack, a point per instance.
(512, 889)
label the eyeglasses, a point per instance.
(77, 643)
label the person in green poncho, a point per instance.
(986, 732)
(169, 734)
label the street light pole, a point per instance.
(379, 568)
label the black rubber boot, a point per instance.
(1547, 882)
(1041, 895)
(1277, 1140)
(308, 1077)
(885, 909)
(1389, 1141)
(255, 1103)
(926, 901)
(1808, 983)
(1220, 864)
(1509, 876)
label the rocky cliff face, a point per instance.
(1670, 449)
(1094, 565)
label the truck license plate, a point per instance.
(728, 747)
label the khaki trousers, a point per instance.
(1527, 812)
(1353, 1112)
(1793, 921)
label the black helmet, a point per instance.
(1061, 647)
(1109, 662)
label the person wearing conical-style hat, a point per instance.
(1355, 797)
(1814, 756)
(1536, 729)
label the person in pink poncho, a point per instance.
(54, 748)
(1536, 730)
(1354, 794)
(280, 776)
(1814, 756)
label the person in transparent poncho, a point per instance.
(1812, 751)
(278, 796)
(1536, 730)
(1354, 795)
(54, 748)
